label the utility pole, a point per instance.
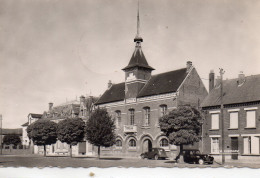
(1, 134)
(221, 72)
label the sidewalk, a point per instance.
(241, 159)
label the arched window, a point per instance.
(118, 118)
(132, 116)
(164, 142)
(147, 116)
(163, 110)
(118, 143)
(132, 143)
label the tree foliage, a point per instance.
(42, 133)
(71, 131)
(11, 140)
(182, 126)
(100, 129)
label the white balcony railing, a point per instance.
(130, 128)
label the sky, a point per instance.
(58, 50)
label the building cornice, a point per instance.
(146, 99)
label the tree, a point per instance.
(182, 126)
(100, 129)
(11, 140)
(71, 131)
(42, 133)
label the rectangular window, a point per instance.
(118, 119)
(215, 121)
(147, 116)
(251, 145)
(163, 110)
(233, 120)
(132, 117)
(215, 145)
(250, 119)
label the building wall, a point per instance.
(151, 132)
(192, 91)
(240, 133)
(25, 139)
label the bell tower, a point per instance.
(138, 71)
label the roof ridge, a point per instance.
(168, 71)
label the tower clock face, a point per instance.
(131, 76)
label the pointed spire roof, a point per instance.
(138, 59)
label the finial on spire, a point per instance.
(138, 39)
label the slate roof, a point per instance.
(36, 115)
(138, 60)
(163, 83)
(12, 131)
(25, 124)
(158, 84)
(62, 111)
(234, 94)
(115, 93)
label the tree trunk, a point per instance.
(70, 151)
(181, 160)
(44, 148)
(98, 152)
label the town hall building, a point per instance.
(137, 103)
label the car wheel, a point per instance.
(142, 156)
(156, 157)
(201, 161)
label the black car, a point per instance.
(154, 153)
(194, 156)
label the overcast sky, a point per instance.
(57, 49)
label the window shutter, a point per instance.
(215, 121)
(234, 120)
(246, 145)
(250, 118)
(255, 145)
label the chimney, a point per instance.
(211, 80)
(50, 106)
(188, 66)
(109, 84)
(81, 99)
(218, 80)
(241, 78)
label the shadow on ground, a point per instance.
(3, 162)
(110, 158)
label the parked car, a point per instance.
(154, 153)
(194, 156)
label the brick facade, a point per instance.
(191, 91)
(241, 132)
(241, 116)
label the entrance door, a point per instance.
(82, 148)
(234, 147)
(147, 145)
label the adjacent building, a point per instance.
(241, 101)
(5, 132)
(31, 118)
(70, 109)
(137, 103)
